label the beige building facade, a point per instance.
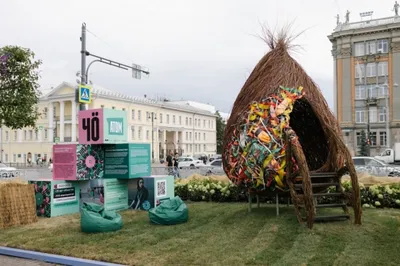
(177, 128)
(366, 63)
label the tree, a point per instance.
(19, 92)
(220, 132)
(364, 146)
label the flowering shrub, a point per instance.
(206, 189)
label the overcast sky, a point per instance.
(196, 50)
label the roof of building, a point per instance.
(368, 25)
(103, 92)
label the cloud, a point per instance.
(200, 49)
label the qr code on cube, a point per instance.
(161, 188)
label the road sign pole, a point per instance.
(83, 106)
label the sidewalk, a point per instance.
(11, 261)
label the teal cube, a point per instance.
(56, 198)
(129, 160)
(103, 126)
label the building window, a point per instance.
(204, 136)
(45, 133)
(360, 92)
(160, 118)
(140, 133)
(167, 119)
(25, 135)
(373, 115)
(15, 135)
(139, 115)
(180, 120)
(30, 134)
(373, 91)
(382, 114)
(204, 123)
(372, 138)
(371, 70)
(54, 111)
(382, 68)
(37, 134)
(45, 112)
(147, 134)
(359, 49)
(173, 120)
(382, 91)
(190, 121)
(190, 136)
(186, 121)
(14, 158)
(133, 114)
(147, 116)
(6, 135)
(195, 136)
(360, 116)
(360, 70)
(383, 46)
(199, 123)
(204, 147)
(371, 47)
(382, 138)
(209, 123)
(195, 122)
(133, 132)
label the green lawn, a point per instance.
(221, 234)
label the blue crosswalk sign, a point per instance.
(85, 94)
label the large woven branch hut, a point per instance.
(279, 99)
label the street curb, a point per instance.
(51, 258)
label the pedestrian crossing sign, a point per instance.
(85, 94)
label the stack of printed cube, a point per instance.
(103, 168)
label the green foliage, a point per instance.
(220, 132)
(206, 189)
(364, 147)
(19, 92)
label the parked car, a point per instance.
(6, 171)
(215, 157)
(215, 167)
(189, 162)
(375, 167)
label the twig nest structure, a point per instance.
(277, 95)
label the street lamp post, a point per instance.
(152, 117)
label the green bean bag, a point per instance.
(94, 219)
(171, 211)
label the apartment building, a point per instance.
(366, 56)
(165, 125)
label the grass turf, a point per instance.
(220, 234)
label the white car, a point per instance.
(6, 171)
(189, 162)
(375, 167)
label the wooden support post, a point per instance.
(249, 199)
(258, 201)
